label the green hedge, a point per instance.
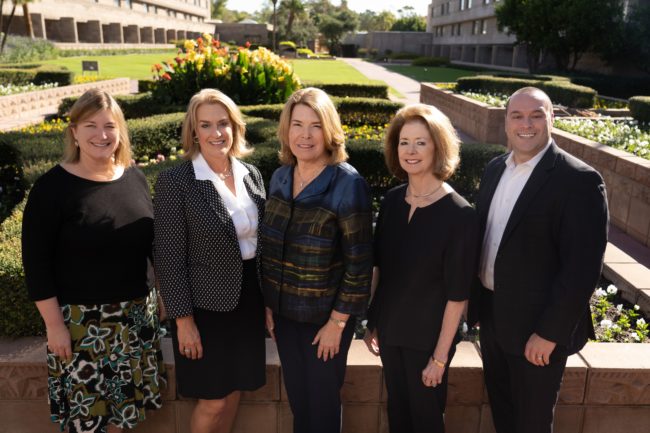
(640, 108)
(12, 179)
(430, 61)
(133, 106)
(37, 74)
(560, 91)
(351, 90)
(353, 111)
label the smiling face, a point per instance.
(213, 131)
(529, 121)
(415, 148)
(97, 136)
(306, 139)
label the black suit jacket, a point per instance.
(196, 252)
(551, 254)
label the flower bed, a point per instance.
(11, 89)
(627, 135)
(617, 320)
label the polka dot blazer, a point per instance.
(196, 253)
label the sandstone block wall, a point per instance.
(606, 388)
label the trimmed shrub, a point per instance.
(260, 130)
(17, 77)
(46, 75)
(640, 108)
(615, 86)
(560, 91)
(133, 106)
(145, 86)
(403, 56)
(353, 111)
(351, 90)
(24, 49)
(430, 61)
(155, 134)
(18, 315)
(12, 180)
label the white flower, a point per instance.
(615, 327)
(611, 289)
(619, 307)
(635, 336)
(637, 308)
(606, 323)
(364, 323)
(640, 322)
(464, 327)
(600, 292)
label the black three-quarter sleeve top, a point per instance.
(422, 264)
(87, 242)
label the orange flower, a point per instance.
(247, 44)
(166, 76)
(158, 67)
(216, 43)
(178, 60)
(199, 40)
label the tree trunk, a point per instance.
(2, 2)
(4, 37)
(28, 21)
(275, 25)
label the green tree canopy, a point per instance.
(564, 28)
(371, 21)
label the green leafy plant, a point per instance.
(248, 77)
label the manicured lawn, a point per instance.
(431, 74)
(328, 71)
(137, 66)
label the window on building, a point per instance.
(469, 4)
(475, 26)
(486, 2)
(129, 3)
(461, 5)
(484, 27)
(458, 29)
(145, 7)
(117, 3)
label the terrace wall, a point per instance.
(606, 388)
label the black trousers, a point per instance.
(412, 407)
(522, 395)
(313, 385)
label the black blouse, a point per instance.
(422, 264)
(87, 242)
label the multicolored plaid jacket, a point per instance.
(317, 248)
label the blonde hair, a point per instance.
(324, 108)
(211, 96)
(89, 104)
(446, 145)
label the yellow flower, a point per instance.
(189, 44)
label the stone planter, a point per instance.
(606, 388)
(24, 105)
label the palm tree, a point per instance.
(26, 15)
(28, 18)
(275, 23)
(295, 8)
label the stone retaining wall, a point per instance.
(627, 176)
(606, 389)
(43, 101)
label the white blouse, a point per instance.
(241, 207)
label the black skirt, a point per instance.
(234, 353)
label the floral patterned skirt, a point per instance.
(116, 371)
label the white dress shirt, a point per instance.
(510, 185)
(241, 207)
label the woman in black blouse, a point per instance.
(425, 249)
(87, 237)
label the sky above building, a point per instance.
(420, 6)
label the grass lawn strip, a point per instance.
(431, 73)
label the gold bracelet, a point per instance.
(438, 363)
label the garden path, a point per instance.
(408, 87)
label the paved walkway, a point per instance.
(408, 87)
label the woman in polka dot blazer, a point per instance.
(206, 214)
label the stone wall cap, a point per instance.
(467, 356)
(617, 356)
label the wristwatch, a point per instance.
(340, 323)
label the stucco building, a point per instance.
(114, 21)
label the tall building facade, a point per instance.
(114, 21)
(465, 31)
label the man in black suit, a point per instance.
(543, 216)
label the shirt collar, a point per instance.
(202, 170)
(532, 162)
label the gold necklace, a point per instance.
(226, 174)
(429, 194)
(303, 182)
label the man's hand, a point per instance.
(538, 350)
(370, 338)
